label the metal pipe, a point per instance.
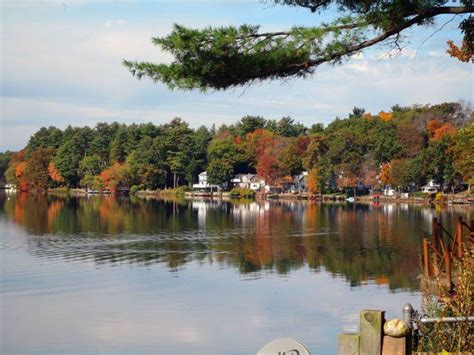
(408, 315)
(447, 319)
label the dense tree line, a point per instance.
(403, 148)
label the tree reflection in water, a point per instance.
(362, 243)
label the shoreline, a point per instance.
(445, 200)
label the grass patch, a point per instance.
(179, 191)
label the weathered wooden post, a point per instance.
(447, 262)
(371, 323)
(377, 336)
(435, 246)
(426, 257)
(348, 344)
(460, 241)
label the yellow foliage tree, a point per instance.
(385, 116)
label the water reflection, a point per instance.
(363, 243)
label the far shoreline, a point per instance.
(446, 199)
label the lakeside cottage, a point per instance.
(203, 185)
(248, 181)
(299, 183)
(430, 187)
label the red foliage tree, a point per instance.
(267, 167)
(258, 142)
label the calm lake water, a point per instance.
(128, 275)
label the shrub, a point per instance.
(134, 189)
(238, 192)
(179, 191)
(451, 337)
(419, 194)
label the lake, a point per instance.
(129, 275)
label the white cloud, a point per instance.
(114, 23)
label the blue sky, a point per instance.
(61, 64)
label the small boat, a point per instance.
(350, 199)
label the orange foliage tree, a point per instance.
(445, 130)
(115, 176)
(385, 176)
(20, 176)
(437, 129)
(385, 116)
(10, 173)
(54, 174)
(313, 181)
(433, 126)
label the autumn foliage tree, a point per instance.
(385, 175)
(20, 169)
(115, 176)
(10, 173)
(438, 129)
(267, 167)
(446, 129)
(463, 153)
(54, 173)
(36, 174)
(385, 116)
(258, 143)
(313, 181)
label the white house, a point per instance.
(203, 185)
(389, 191)
(248, 181)
(430, 187)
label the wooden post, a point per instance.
(460, 238)
(394, 346)
(435, 245)
(371, 332)
(426, 257)
(348, 344)
(447, 262)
